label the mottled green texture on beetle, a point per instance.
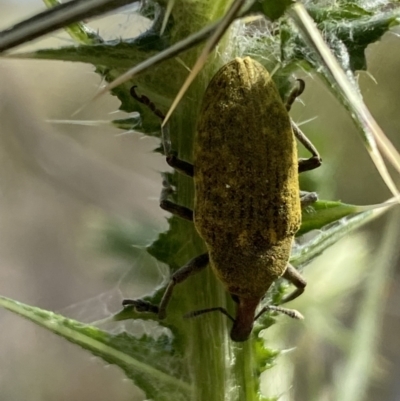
(247, 206)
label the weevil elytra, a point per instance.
(247, 198)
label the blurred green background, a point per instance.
(63, 185)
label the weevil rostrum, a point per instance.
(247, 198)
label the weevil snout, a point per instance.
(239, 332)
(245, 313)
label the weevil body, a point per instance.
(247, 202)
(247, 205)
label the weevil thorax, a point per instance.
(247, 204)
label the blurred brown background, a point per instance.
(61, 183)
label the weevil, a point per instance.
(247, 200)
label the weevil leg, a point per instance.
(315, 160)
(295, 93)
(171, 156)
(307, 198)
(172, 159)
(292, 275)
(178, 210)
(194, 266)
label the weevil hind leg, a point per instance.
(292, 275)
(194, 266)
(171, 156)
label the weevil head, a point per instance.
(245, 312)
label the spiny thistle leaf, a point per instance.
(152, 364)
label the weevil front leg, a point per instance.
(292, 275)
(195, 266)
(171, 157)
(178, 164)
(315, 160)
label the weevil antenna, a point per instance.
(203, 311)
(294, 314)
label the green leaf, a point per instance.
(273, 9)
(356, 28)
(348, 30)
(312, 244)
(78, 31)
(321, 213)
(153, 365)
